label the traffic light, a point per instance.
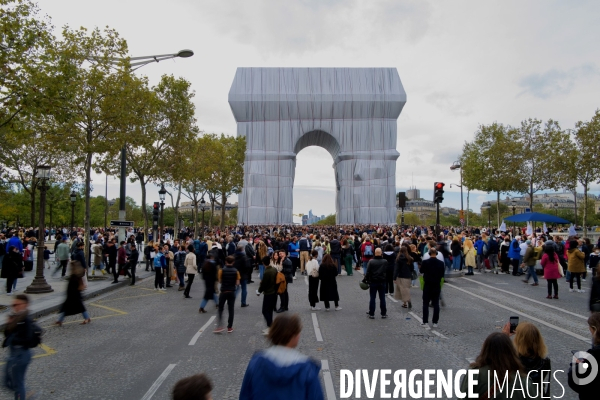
(438, 192)
(155, 213)
(401, 199)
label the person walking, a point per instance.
(281, 372)
(148, 255)
(209, 275)
(336, 253)
(241, 262)
(268, 286)
(63, 253)
(229, 277)
(529, 261)
(376, 278)
(287, 270)
(328, 291)
(12, 268)
(74, 303)
(492, 255)
(504, 259)
(304, 246)
(18, 337)
(312, 270)
(367, 249)
(456, 251)
(514, 253)
(433, 272)
(403, 267)
(390, 256)
(111, 253)
(97, 252)
(180, 268)
(293, 250)
(121, 261)
(347, 256)
(191, 269)
(575, 265)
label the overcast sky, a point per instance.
(462, 63)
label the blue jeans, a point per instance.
(14, 371)
(244, 291)
(530, 273)
(261, 271)
(181, 277)
(416, 267)
(456, 261)
(61, 316)
(365, 263)
(373, 290)
(204, 302)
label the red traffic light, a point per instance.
(155, 205)
(439, 185)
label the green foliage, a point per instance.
(328, 220)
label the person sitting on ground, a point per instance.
(281, 372)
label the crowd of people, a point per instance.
(391, 260)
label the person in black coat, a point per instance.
(242, 265)
(12, 267)
(328, 290)
(433, 272)
(390, 256)
(18, 337)
(209, 274)
(132, 263)
(590, 390)
(74, 303)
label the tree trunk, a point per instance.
(575, 200)
(531, 195)
(468, 192)
(177, 208)
(223, 201)
(585, 200)
(212, 212)
(86, 220)
(195, 215)
(144, 210)
(498, 207)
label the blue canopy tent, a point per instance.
(537, 217)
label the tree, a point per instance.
(485, 162)
(538, 156)
(25, 38)
(583, 157)
(97, 104)
(168, 123)
(409, 219)
(327, 221)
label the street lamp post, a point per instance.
(514, 209)
(202, 207)
(457, 165)
(139, 63)
(488, 206)
(39, 284)
(73, 197)
(162, 194)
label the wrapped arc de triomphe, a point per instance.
(351, 112)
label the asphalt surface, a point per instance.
(138, 335)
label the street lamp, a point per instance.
(513, 202)
(162, 194)
(39, 284)
(73, 197)
(139, 63)
(457, 165)
(203, 208)
(488, 206)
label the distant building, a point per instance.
(413, 194)
(311, 219)
(550, 201)
(189, 206)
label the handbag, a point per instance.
(414, 275)
(314, 273)
(560, 270)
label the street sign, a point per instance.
(125, 224)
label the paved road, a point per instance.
(138, 335)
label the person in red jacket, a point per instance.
(367, 249)
(121, 261)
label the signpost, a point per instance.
(122, 224)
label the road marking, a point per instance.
(48, 351)
(392, 298)
(528, 299)
(120, 312)
(143, 288)
(585, 339)
(197, 335)
(329, 389)
(306, 280)
(158, 382)
(427, 327)
(132, 297)
(317, 329)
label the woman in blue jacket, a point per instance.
(514, 253)
(281, 372)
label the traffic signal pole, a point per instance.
(437, 222)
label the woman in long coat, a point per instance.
(328, 292)
(74, 303)
(312, 269)
(403, 268)
(12, 266)
(209, 274)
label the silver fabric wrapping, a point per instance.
(351, 112)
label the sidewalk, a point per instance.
(46, 303)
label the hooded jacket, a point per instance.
(281, 373)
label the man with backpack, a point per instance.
(21, 334)
(367, 249)
(229, 277)
(180, 266)
(268, 286)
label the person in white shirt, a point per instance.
(312, 271)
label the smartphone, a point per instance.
(514, 321)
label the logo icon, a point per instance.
(589, 368)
